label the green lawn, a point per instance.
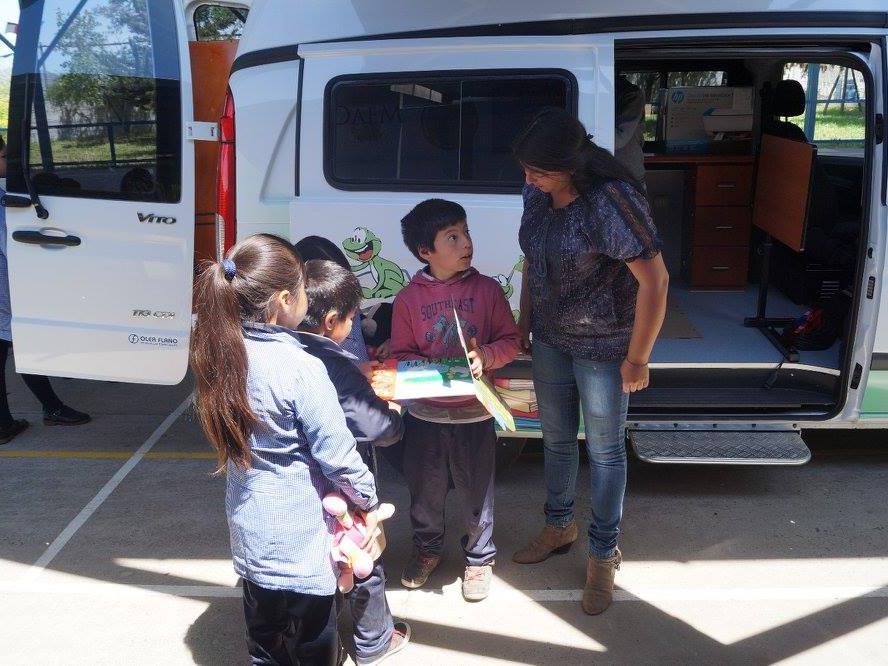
(97, 149)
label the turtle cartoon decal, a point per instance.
(506, 283)
(385, 278)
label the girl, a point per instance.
(594, 297)
(272, 414)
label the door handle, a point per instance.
(40, 238)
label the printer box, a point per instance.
(695, 117)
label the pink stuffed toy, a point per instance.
(350, 530)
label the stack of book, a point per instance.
(519, 395)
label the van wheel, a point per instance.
(507, 451)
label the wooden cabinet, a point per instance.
(719, 218)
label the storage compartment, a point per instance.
(724, 185)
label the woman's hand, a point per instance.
(635, 376)
(524, 329)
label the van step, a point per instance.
(674, 397)
(747, 447)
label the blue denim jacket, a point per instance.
(280, 534)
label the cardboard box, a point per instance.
(730, 111)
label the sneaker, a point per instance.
(8, 433)
(418, 570)
(476, 582)
(400, 638)
(64, 415)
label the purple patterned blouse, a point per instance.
(582, 293)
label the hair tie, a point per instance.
(589, 137)
(230, 269)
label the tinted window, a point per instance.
(213, 22)
(453, 130)
(105, 118)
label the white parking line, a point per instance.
(56, 546)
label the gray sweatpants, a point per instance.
(433, 454)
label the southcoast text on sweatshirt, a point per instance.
(424, 328)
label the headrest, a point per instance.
(789, 99)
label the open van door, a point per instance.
(100, 203)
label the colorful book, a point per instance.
(417, 380)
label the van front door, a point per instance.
(100, 202)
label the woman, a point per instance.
(594, 297)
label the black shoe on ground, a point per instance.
(8, 433)
(66, 416)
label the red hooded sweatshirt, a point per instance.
(423, 328)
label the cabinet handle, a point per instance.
(720, 268)
(724, 227)
(726, 186)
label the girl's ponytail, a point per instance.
(240, 288)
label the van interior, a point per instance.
(760, 207)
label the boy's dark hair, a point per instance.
(329, 287)
(420, 226)
(318, 247)
(2, 143)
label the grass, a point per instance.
(97, 149)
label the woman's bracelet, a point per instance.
(637, 365)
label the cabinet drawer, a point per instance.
(713, 266)
(724, 185)
(722, 225)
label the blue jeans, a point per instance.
(563, 385)
(371, 617)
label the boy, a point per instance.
(334, 294)
(451, 438)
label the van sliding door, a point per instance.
(100, 202)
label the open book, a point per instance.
(446, 378)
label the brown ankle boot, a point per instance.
(599, 590)
(551, 540)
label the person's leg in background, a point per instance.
(604, 414)
(9, 427)
(55, 412)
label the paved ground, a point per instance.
(113, 550)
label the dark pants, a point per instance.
(38, 384)
(466, 452)
(371, 617)
(290, 628)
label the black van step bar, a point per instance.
(746, 447)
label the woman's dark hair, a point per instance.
(420, 226)
(239, 289)
(318, 247)
(556, 141)
(329, 286)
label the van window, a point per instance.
(835, 104)
(215, 22)
(451, 131)
(105, 118)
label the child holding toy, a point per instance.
(454, 437)
(334, 295)
(271, 412)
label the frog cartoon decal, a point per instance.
(507, 286)
(385, 278)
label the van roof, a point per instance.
(277, 23)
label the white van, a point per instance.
(342, 115)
